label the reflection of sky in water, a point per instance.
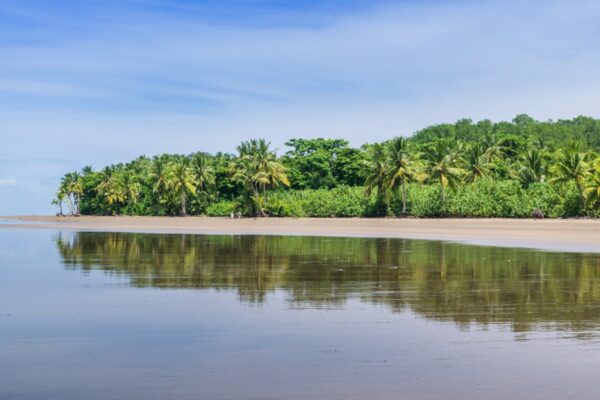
(67, 334)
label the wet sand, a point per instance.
(560, 235)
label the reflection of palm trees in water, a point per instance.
(448, 282)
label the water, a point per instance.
(134, 316)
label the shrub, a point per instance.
(424, 201)
(222, 208)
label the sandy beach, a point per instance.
(560, 235)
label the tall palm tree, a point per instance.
(400, 168)
(58, 200)
(258, 169)
(592, 187)
(181, 181)
(131, 186)
(76, 189)
(72, 188)
(377, 175)
(203, 173)
(63, 192)
(492, 147)
(440, 164)
(531, 167)
(571, 166)
(110, 187)
(477, 161)
(159, 175)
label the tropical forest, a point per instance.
(518, 169)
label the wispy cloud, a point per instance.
(8, 182)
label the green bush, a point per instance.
(424, 201)
(342, 201)
(484, 198)
(222, 208)
(487, 198)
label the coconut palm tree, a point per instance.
(258, 169)
(377, 178)
(440, 165)
(203, 173)
(400, 168)
(592, 187)
(159, 176)
(477, 161)
(110, 187)
(76, 189)
(131, 186)
(63, 193)
(71, 187)
(571, 166)
(58, 200)
(493, 149)
(181, 181)
(531, 167)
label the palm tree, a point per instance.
(378, 174)
(63, 193)
(477, 161)
(531, 167)
(440, 161)
(571, 166)
(203, 172)
(76, 189)
(400, 169)
(592, 187)
(71, 187)
(181, 181)
(131, 186)
(110, 187)
(58, 201)
(257, 169)
(159, 175)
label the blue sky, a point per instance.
(94, 82)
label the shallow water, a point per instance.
(122, 316)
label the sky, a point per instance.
(95, 82)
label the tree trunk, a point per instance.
(403, 197)
(69, 205)
(262, 210)
(76, 204)
(183, 213)
(581, 197)
(443, 193)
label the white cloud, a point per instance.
(8, 182)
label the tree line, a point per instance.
(508, 169)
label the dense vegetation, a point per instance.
(466, 169)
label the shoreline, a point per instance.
(572, 235)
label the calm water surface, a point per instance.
(136, 316)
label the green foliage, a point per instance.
(527, 130)
(424, 201)
(466, 169)
(322, 163)
(342, 201)
(222, 208)
(257, 169)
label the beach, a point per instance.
(577, 235)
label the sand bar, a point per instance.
(560, 235)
